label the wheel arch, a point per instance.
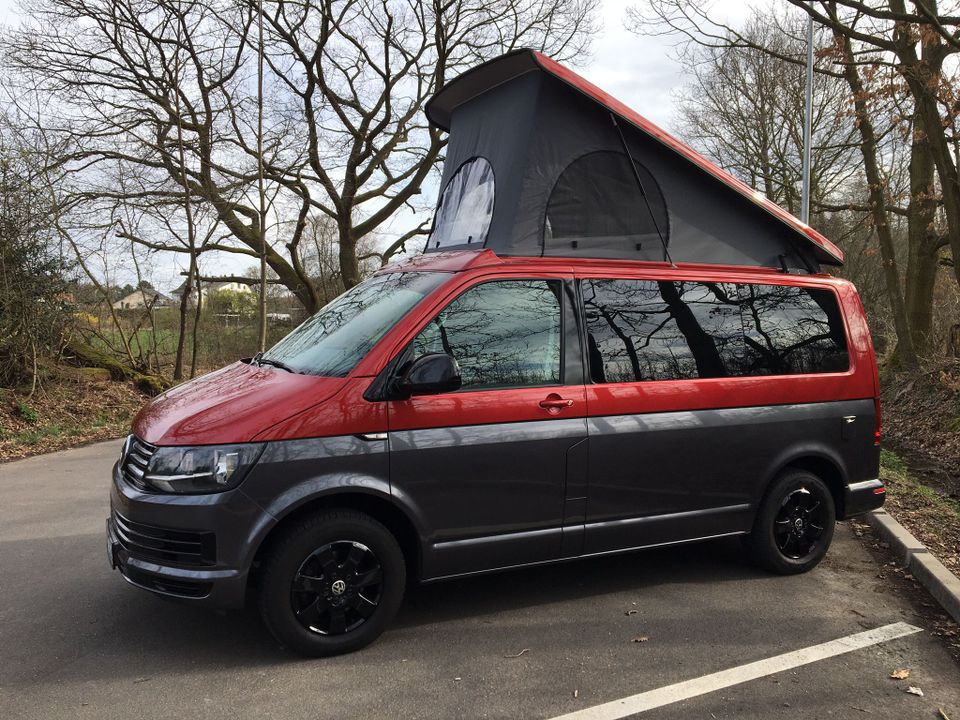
(377, 504)
(821, 462)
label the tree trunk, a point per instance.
(349, 266)
(923, 245)
(184, 304)
(924, 77)
(878, 204)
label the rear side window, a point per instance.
(791, 330)
(501, 333)
(640, 330)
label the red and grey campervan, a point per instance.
(607, 344)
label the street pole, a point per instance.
(807, 127)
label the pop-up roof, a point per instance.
(538, 163)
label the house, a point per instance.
(210, 288)
(142, 298)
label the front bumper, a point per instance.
(196, 548)
(862, 497)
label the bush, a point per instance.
(35, 308)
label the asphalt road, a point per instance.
(78, 642)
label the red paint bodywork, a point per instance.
(231, 405)
(243, 403)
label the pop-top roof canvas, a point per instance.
(539, 163)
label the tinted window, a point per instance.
(649, 330)
(503, 334)
(334, 340)
(792, 330)
(466, 206)
(597, 203)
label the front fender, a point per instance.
(292, 473)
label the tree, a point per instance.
(343, 135)
(744, 109)
(35, 307)
(903, 109)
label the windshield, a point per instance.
(333, 341)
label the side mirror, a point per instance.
(430, 374)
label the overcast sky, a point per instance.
(641, 71)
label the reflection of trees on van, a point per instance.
(649, 330)
(503, 334)
(334, 340)
(791, 330)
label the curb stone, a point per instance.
(930, 572)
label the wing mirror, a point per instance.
(430, 374)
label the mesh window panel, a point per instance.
(597, 203)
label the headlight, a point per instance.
(203, 469)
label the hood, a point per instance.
(230, 405)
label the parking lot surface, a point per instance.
(78, 642)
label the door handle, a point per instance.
(553, 403)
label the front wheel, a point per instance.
(332, 583)
(794, 526)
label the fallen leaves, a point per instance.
(640, 639)
(525, 650)
(913, 690)
(901, 674)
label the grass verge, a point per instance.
(78, 407)
(932, 518)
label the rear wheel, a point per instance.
(332, 583)
(794, 526)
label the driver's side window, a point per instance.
(504, 333)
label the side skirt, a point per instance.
(556, 561)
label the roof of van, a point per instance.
(539, 115)
(455, 261)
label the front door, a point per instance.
(486, 466)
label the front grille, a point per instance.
(161, 545)
(135, 461)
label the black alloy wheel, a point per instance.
(337, 588)
(331, 582)
(794, 524)
(799, 525)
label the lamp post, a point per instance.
(807, 127)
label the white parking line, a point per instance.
(734, 676)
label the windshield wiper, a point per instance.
(261, 361)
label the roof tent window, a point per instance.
(597, 200)
(466, 207)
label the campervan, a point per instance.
(608, 344)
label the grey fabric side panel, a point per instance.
(505, 145)
(533, 126)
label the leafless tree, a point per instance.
(343, 129)
(744, 108)
(900, 96)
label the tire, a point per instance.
(332, 583)
(777, 542)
